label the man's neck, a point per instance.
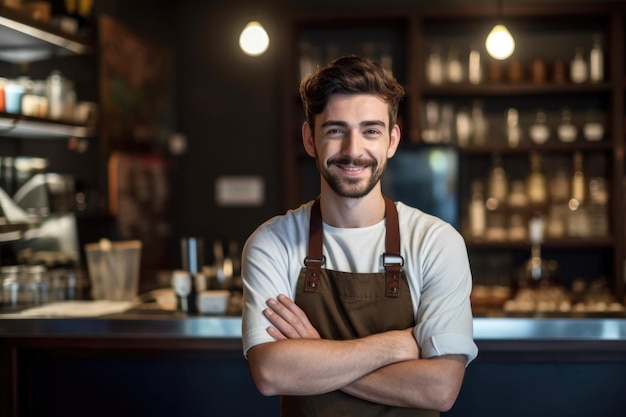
(347, 212)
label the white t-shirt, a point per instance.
(435, 261)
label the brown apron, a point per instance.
(345, 305)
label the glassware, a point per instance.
(539, 131)
(463, 127)
(536, 183)
(479, 122)
(454, 68)
(477, 214)
(567, 132)
(498, 185)
(578, 67)
(475, 66)
(596, 60)
(513, 130)
(434, 67)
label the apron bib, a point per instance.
(346, 305)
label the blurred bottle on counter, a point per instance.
(192, 251)
(536, 273)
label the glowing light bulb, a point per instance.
(500, 44)
(254, 40)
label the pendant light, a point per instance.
(254, 40)
(499, 43)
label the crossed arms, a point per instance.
(384, 368)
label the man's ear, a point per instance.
(394, 141)
(307, 139)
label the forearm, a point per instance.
(315, 366)
(431, 384)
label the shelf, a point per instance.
(603, 145)
(17, 126)
(564, 243)
(26, 40)
(515, 89)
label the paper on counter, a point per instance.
(78, 309)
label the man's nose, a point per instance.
(352, 145)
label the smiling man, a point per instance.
(356, 305)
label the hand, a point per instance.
(288, 320)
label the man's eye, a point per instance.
(334, 132)
(372, 132)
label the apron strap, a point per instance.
(315, 259)
(392, 259)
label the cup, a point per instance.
(114, 269)
(13, 93)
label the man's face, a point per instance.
(352, 143)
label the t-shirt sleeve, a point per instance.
(444, 316)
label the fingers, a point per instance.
(288, 319)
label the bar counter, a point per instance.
(165, 363)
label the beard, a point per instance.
(351, 187)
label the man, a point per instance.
(341, 316)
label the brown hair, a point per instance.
(349, 74)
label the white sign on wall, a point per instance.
(239, 191)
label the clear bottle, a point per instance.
(479, 123)
(475, 66)
(454, 67)
(539, 131)
(55, 84)
(477, 213)
(536, 187)
(578, 221)
(596, 60)
(566, 130)
(536, 274)
(463, 127)
(578, 181)
(434, 67)
(498, 185)
(513, 130)
(578, 67)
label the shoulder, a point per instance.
(285, 227)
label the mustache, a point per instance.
(362, 162)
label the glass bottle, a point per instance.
(578, 67)
(578, 222)
(434, 67)
(578, 181)
(536, 188)
(539, 131)
(479, 122)
(538, 70)
(475, 66)
(498, 185)
(536, 273)
(513, 130)
(596, 60)
(454, 68)
(463, 127)
(477, 215)
(567, 132)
